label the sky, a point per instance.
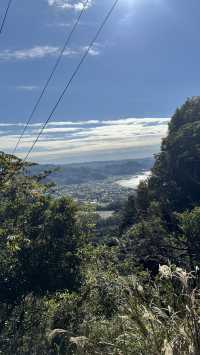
(144, 64)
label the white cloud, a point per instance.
(60, 130)
(40, 52)
(28, 53)
(94, 51)
(27, 87)
(54, 123)
(60, 24)
(75, 123)
(89, 139)
(71, 5)
(136, 121)
(64, 25)
(19, 124)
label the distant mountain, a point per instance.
(93, 171)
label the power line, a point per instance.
(72, 77)
(5, 16)
(51, 75)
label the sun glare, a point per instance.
(129, 2)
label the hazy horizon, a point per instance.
(86, 141)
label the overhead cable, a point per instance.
(74, 74)
(62, 51)
(5, 16)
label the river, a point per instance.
(133, 181)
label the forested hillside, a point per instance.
(135, 293)
(88, 172)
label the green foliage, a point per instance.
(148, 244)
(159, 317)
(173, 187)
(129, 213)
(175, 176)
(38, 237)
(188, 238)
(63, 291)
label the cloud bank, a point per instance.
(64, 142)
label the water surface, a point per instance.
(133, 182)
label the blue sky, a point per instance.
(145, 64)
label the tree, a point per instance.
(39, 237)
(175, 177)
(188, 238)
(129, 215)
(148, 244)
